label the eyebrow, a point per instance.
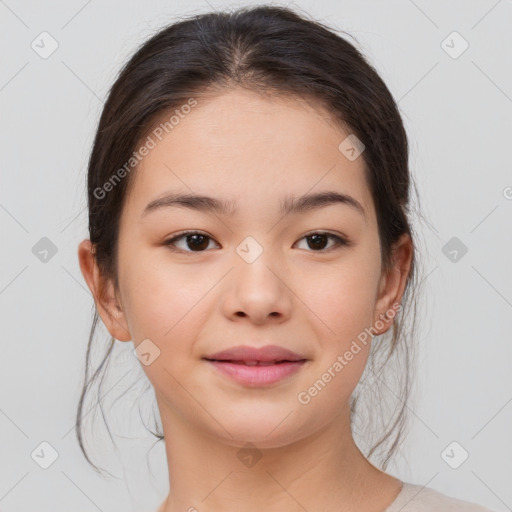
(290, 204)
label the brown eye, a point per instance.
(193, 240)
(318, 241)
(196, 241)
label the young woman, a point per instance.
(248, 195)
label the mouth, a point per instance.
(255, 372)
(257, 367)
(245, 354)
(259, 374)
(256, 363)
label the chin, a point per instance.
(264, 430)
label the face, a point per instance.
(308, 280)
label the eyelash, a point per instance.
(340, 241)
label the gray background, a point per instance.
(458, 113)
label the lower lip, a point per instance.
(258, 375)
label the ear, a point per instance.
(103, 292)
(392, 283)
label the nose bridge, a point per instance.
(257, 287)
(254, 262)
(250, 250)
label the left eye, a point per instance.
(317, 240)
(198, 241)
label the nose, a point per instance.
(258, 292)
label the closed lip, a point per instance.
(244, 353)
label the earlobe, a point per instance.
(102, 290)
(112, 313)
(382, 321)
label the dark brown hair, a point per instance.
(269, 50)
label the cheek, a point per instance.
(342, 303)
(343, 297)
(166, 303)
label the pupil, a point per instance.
(200, 241)
(315, 239)
(196, 245)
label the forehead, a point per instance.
(248, 148)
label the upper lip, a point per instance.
(267, 353)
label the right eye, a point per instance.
(196, 240)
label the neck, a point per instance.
(324, 471)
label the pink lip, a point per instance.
(254, 376)
(280, 363)
(247, 353)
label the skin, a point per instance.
(255, 150)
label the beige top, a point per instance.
(416, 498)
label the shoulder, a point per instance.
(416, 498)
